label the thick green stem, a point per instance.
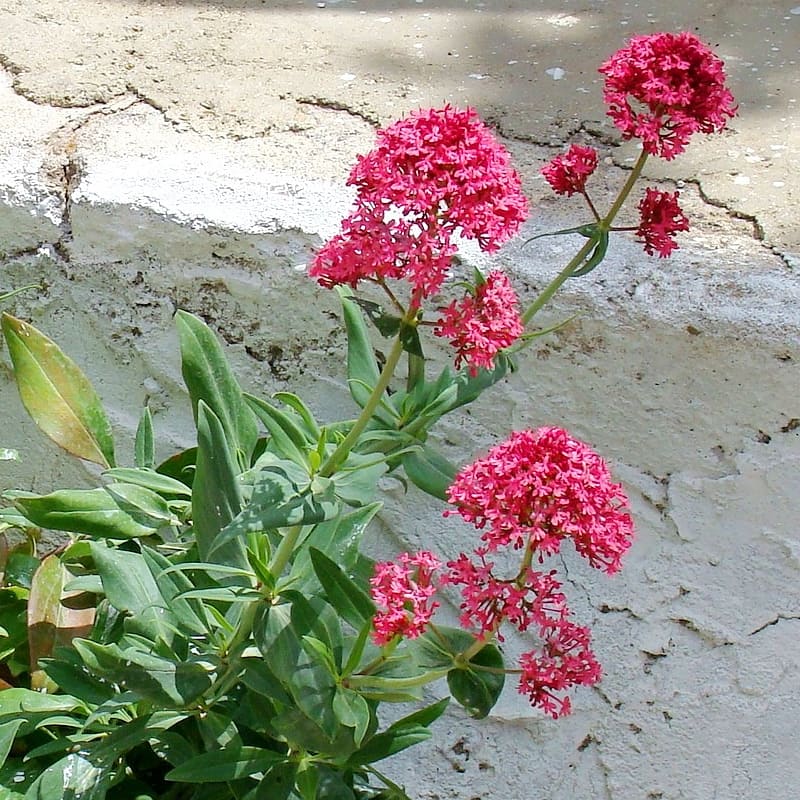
(544, 298)
(342, 451)
(580, 256)
(284, 551)
(626, 190)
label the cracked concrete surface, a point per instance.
(157, 155)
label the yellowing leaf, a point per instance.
(57, 395)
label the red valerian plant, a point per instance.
(218, 631)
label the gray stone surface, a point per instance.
(193, 154)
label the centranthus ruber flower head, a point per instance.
(660, 219)
(370, 247)
(681, 85)
(567, 173)
(402, 592)
(534, 599)
(565, 660)
(539, 487)
(445, 163)
(480, 325)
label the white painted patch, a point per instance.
(556, 73)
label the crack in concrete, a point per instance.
(770, 623)
(337, 105)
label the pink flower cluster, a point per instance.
(480, 325)
(664, 87)
(565, 660)
(402, 592)
(660, 219)
(567, 173)
(532, 491)
(541, 487)
(434, 174)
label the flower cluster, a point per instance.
(446, 163)
(564, 661)
(660, 219)
(480, 325)
(539, 487)
(679, 83)
(567, 173)
(533, 598)
(433, 175)
(402, 592)
(531, 491)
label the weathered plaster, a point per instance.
(683, 373)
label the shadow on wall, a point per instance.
(490, 54)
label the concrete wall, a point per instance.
(683, 373)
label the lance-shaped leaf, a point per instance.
(362, 367)
(92, 512)
(50, 623)
(57, 395)
(216, 499)
(430, 471)
(209, 379)
(229, 764)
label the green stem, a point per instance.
(626, 190)
(580, 256)
(284, 551)
(556, 283)
(342, 451)
(377, 682)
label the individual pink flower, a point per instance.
(402, 592)
(568, 172)
(661, 219)
(480, 325)
(539, 487)
(565, 660)
(372, 248)
(534, 599)
(445, 162)
(663, 87)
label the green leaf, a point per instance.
(277, 501)
(143, 505)
(478, 691)
(351, 602)
(356, 481)
(144, 446)
(216, 499)
(338, 538)
(8, 732)
(130, 587)
(352, 711)
(71, 677)
(161, 484)
(171, 584)
(303, 411)
(57, 395)
(277, 783)
(409, 338)
(406, 732)
(595, 258)
(73, 777)
(210, 380)
(362, 367)
(278, 633)
(50, 623)
(307, 781)
(429, 470)
(229, 764)
(91, 512)
(159, 680)
(387, 324)
(286, 438)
